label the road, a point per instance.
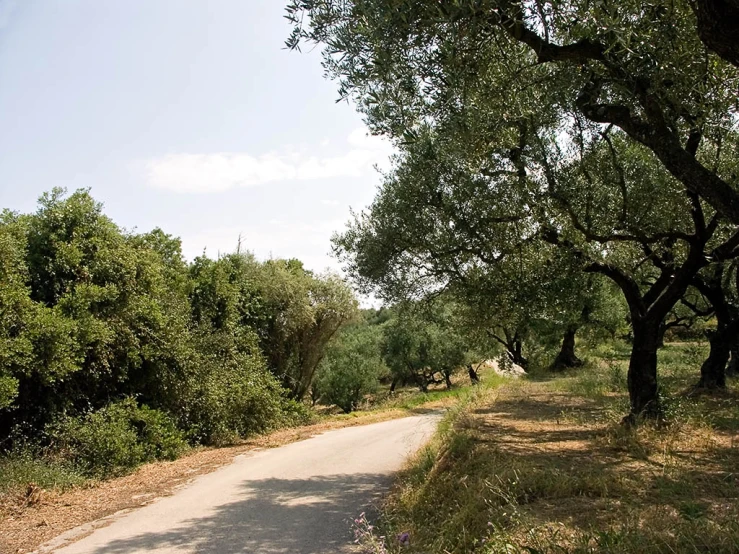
(298, 498)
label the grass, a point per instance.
(543, 466)
(24, 468)
(28, 466)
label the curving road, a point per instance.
(297, 498)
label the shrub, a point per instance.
(116, 438)
(231, 393)
(351, 369)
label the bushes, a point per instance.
(352, 367)
(90, 312)
(116, 438)
(229, 392)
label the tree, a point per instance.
(718, 27)
(591, 205)
(352, 366)
(36, 342)
(529, 96)
(640, 69)
(718, 285)
(91, 315)
(298, 314)
(421, 344)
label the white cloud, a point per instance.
(204, 173)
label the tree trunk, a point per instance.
(393, 384)
(448, 380)
(733, 367)
(515, 353)
(642, 375)
(718, 27)
(567, 357)
(722, 355)
(422, 383)
(474, 378)
(713, 374)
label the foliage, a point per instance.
(420, 345)
(302, 312)
(116, 438)
(525, 126)
(352, 367)
(230, 392)
(92, 314)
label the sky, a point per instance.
(188, 115)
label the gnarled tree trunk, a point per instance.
(567, 357)
(713, 370)
(721, 341)
(474, 378)
(642, 374)
(515, 351)
(448, 380)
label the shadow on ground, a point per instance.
(306, 516)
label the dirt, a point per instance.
(535, 422)
(32, 516)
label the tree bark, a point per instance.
(474, 378)
(515, 353)
(661, 337)
(567, 357)
(642, 375)
(733, 367)
(448, 380)
(718, 27)
(713, 370)
(721, 341)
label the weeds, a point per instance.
(544, 467)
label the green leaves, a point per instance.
(351, 368)
(90, 314)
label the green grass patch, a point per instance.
(19, 469)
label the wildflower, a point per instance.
(404, 539)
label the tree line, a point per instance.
(548, 151)
(104, 327)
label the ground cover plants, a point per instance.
(544, 465)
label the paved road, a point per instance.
(295, 499)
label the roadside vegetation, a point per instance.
(565, 181)
(563, 204)
(115, 351)
(543, 465)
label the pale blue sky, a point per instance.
(188, 115)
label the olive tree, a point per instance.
(352, 366)
(547, 105)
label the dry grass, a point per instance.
(536, 467)
(29, 519)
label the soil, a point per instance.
(33, 516)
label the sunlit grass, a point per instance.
(545, 466)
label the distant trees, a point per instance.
(423, 347)
(352, 367)
(589, 132)
(92, 315)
